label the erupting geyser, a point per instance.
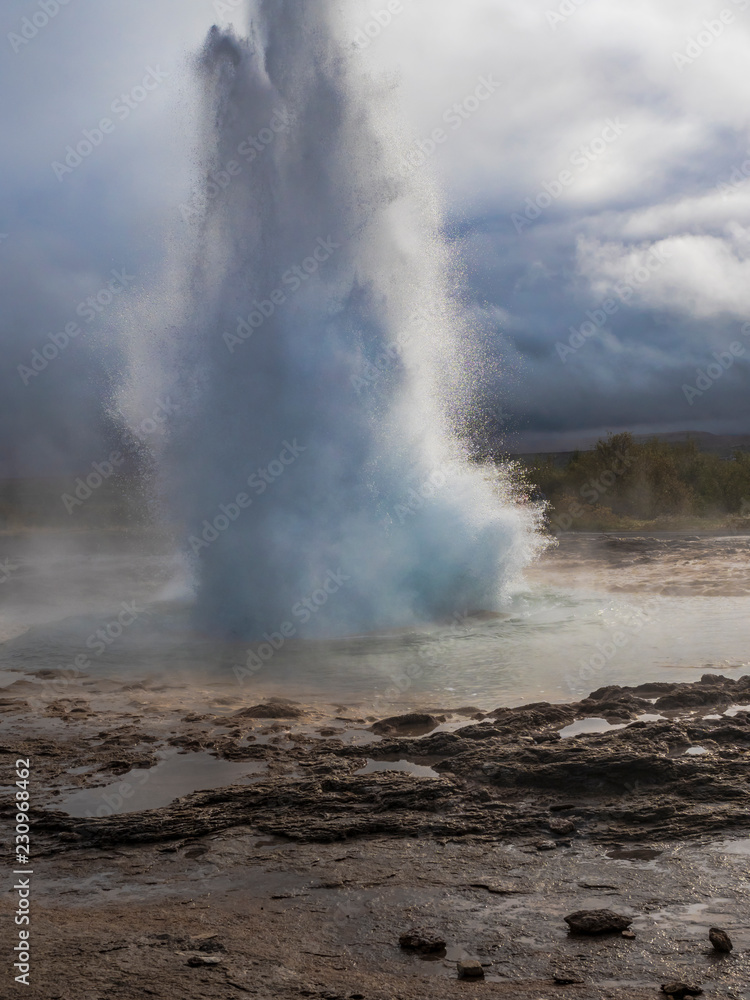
(319, 356)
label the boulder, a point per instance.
(597, 922)
(720, 940)
(470, 968)
(681, 990)
(562, 826)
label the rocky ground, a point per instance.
(299, 866)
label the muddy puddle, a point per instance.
(154, 787)
(590, 725)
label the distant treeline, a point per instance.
(622, 480)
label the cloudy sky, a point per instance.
(600, 197)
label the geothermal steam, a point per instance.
(319, 357)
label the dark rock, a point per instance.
(270, 710)
(653, 689)
(562, 978)
(422, 939)
(200, 960)
(437, 745)
(606, 693)
(413, 724)
(546, 845)
(723, 734)
(681, 990)
(623, 707)
(562, 826)
(627, 782)
(536, 716)
(597, 922)
(695, 697)
(470, 968)
(14, 705)
(720, 940)
(481, 732)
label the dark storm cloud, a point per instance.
(579, 370)
(611, 170)
(655, 151)
(68, 228)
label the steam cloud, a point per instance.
(309, 333)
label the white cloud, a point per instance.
(701, 277)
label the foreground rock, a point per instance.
(597, 922)
(681, 990)
(202, 961)
(545, 845)
(470, 968)
(422, 939)
(562, 826)
(720, 940)
(413, 724)
(269, 710)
